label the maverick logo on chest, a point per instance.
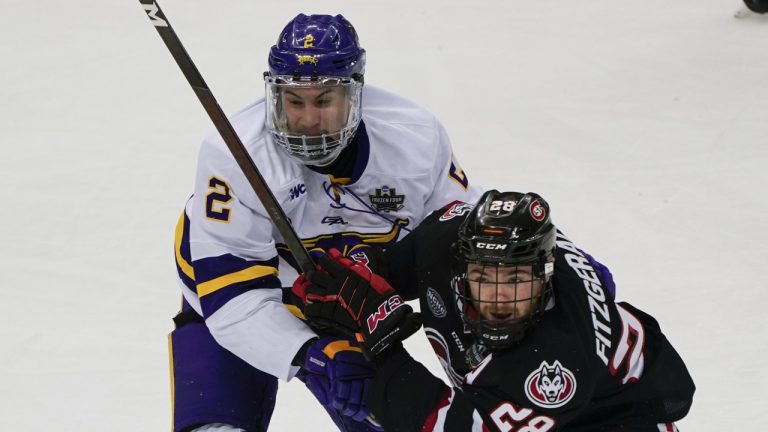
(387, 200)
(550, 386)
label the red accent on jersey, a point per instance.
(449, 205)
(431, 420)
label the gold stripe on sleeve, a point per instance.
(220, 282)
(185, 267)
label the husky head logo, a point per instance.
(551, 382)
(550, 386)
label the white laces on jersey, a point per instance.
(335, 192)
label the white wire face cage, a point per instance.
(313, 120)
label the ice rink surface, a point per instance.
(644, 124)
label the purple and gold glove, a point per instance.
(338, 374)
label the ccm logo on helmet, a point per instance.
(490, 246)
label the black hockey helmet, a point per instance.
(757, 6)
(503, 267)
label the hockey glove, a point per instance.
(337, 374)
(372, 258)
(344, 294)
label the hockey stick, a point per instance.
(228, 134)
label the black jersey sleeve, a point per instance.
(403, 393)
(641, 380)
(405, 397)
(419, 249)
(664, 391)
(401, 271)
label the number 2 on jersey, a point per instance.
(217, 199)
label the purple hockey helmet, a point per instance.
(314, 88)
(318, 45)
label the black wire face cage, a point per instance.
(500, 302)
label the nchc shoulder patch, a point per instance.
(455, 210)
(436, 304)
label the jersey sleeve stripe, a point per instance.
(477, 423)
(435, 421)
(244, 275)
(292, 308)
(295, 311)
(456, 174)
(173, 381)
(181, 239)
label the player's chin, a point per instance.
(500, 316)
(310, 134)
(319, 137)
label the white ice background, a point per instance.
(643, 123)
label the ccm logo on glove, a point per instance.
(383, 311)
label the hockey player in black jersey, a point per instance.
(521, 320)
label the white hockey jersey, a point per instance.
(226, 245)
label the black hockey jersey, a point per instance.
(591, 364)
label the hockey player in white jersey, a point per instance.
(350, 165)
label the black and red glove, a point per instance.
(345, 295)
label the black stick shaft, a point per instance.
(228, 133)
